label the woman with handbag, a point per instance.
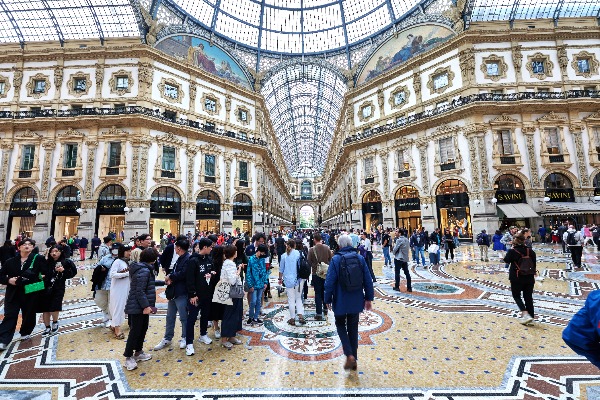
(232, 314)
(216, 309)
(60, 268)
(22, 276)
(119, 289)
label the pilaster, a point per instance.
(580, 154)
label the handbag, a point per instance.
(236, 291)
(35, 286)
(221, 294)
(170, 292)
(321, 266)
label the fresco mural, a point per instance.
(209, 58)
(409, 43)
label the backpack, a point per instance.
(351, 273)
(480, 239)
(525, 264)
(596, 233)
(303, 267)
(571, 241)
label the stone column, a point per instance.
(46, 171)
(137, 221)
(188, 217)
(584, 176)
(190, 153)
(227, 218)
(43, 219)
(227, 192)
(92, 145)
(474, 161)
(383, 154)
(422, 146)
(7, 149)
(485, 171)
(529, 131)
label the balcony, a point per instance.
(448, 166)
(508, 160)
(558, 158)
(112, 170)
(25, 174)
(167, 174)
(404, 174)
(68, 172)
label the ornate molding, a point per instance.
(547, 65)
(467, 64)
(213, 97)
(552, 118)
(474, 162)
(502, 67)
(533, 164)
(592, 62)
(4, 86)
(76, 90)
(504, 120)
(31, 85)
(437, 73)
(485, 172)
(112, 82)
(399, 97)
(242, 114)
(366, 111)
(576, 130)
(71, 134)
(175, 93)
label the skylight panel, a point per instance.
(7, 31)
(279, 20)
(318, 3)
(116, 21)
(284, 3)
(36, 25)
(530, 9)
(400, 7)
(368, 24)
(246, 10)
(322, 18)
(199, 9)
(354, 9)
(492, 10)
(236, 30)
(580, 8)
(75, 19)
(281, 42)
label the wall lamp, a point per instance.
(494, 200)
(34, 212)
(477, 202)
(545, 200)
(142, 210)
(127, 210)
(81, 211)
(426, 206)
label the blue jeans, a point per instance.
(386, 256)
(434, 258)
(419, 251)
(256, 303)
(177, 305)
(319, 285)
(347, 329)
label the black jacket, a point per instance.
(178, 275)
(142, 289)
(59, 277)
(512, 257)
(198, 266)
(13, 268)
(7, 252)
(166, 257)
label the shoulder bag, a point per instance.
(36, 286)
(236, 291)
(321, 266)
(221, 294)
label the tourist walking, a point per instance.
(449, 244)
(574, 242)
(319, 254)
(522, 275)
(257, 278)
(119, 289)
(583, 331)
(483, 241)
(400, 252)
(288, 275)
(346, 298)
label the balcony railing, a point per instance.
(448, 166)
(68, 172)
(243, 183)
(209, 179)
(508, 160)
(129, 110)
(24, 174)
(404, 174)
(369, 180)
(557, 158)
(471, 99)
(112, 170)
(167, 174)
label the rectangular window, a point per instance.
(168, 160)
(39, 86)
(70, 156)
(446, 150)
(209, 165)
(596, 138)
(114, 154)
(538, 67)
(440, 81)
(402, 161)
(368, 167)
(583, 65)
(210, 105)
(243, 115)
(243, 165)
(122, 82)
(2, 87)
(80, 85)
(553, 140)
(28, 154)
(493, 69)
(505, 142)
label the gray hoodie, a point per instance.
(578, 237)
(401, 247)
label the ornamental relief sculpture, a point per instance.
(467, 64)
(517, 57)
(591, 61)
(474, 163)
(49, 150)
(576, 131)
(485, 173)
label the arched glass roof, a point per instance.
(24, 21)
(296, 26)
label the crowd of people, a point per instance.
(208, 275)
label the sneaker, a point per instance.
(130, 363)
(205, 339)
(257, 322)
(47, 331)
(182, 343)
(249, 322)
(163, 343)
(189, 350)
(54, 326)
(3, 346)
(141, 356)
(235, 341)
(525, 319)
(218, 334)
(26, 337)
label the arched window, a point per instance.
(166, 194)
(372, 196)
(68, 193)
(25, 195)
(113, 192)
(306, 189)
(406, 192)
(242, 206)
(596, 181)
(557, 181)
(208, 197)
(242, 199)
(451, 186)
(208, 204)
(508, 182)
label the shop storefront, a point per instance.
(511, 203)
(407, 206)
(165, 212)
(110, 212)
(242, 213)
(372, 211)
(562, 205)
(453, 211)
(20, 218)
(208, 212)
(65, 217)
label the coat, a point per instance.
(583, 332)
(12, 268)
(257, 276)
(142, 289)
(497, 244)
(347, 302)
(512, 257)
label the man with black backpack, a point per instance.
(522, 275)
(574, 241)
(349, 289)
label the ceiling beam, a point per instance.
(260, 29)
(13, 22)
(154, 8)
(346, 47)
(96, 21)
(59, 33)
(557, 11)
(513, 13)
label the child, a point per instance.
(257, 278)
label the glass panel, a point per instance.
(583, 64)
(39, 86)
(446, 150)
(2, 87)
(28, 156)
(243, 171)
(80, 85)
(113, 192)
(537, 67)
(557, 181)
(114, 154)
(505, 142)
(25, 195)
(368, 167)
(209, 165)
(440, 81)
(122, 82)
(210, 105)
(168, 160)
(171, 91)
(493, 69)
(70, 156)
(553, 140)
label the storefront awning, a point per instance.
(518, 210)
(559, 208)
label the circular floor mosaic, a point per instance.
(436, 288)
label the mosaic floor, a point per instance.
(456, 336)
